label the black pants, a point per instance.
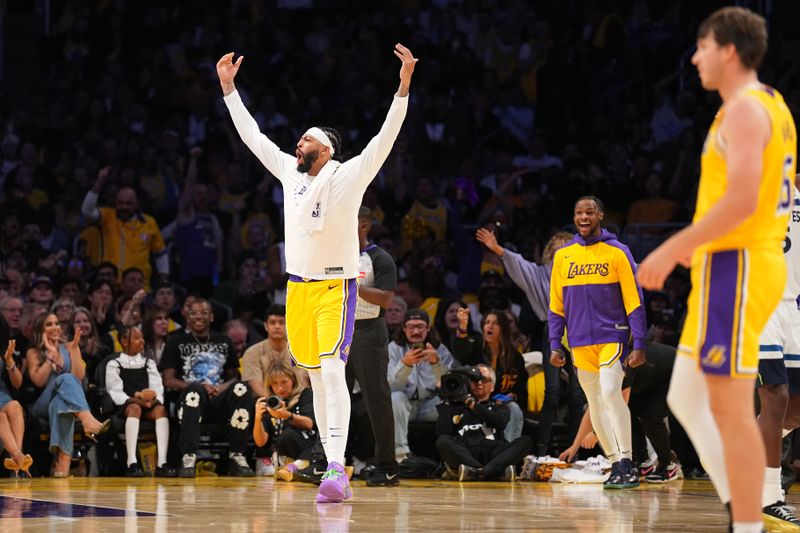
(491, 455)
(648, 414)
(360, 440)
(295, 443)
(233, 408)
(292, 442)
(369, 365)
(554, 390)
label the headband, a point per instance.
(322, 137)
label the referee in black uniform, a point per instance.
(369, 354)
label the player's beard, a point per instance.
(308, 161)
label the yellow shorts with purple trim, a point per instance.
(734, 292)
(320, 315)
(595, 356)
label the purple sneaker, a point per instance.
(335, 486)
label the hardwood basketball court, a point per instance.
(257, 505)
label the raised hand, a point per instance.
(463, 318)
(9, 355)
(74, 346)
(102, 176)
(139, 297)
(50, 346)
(488, 239)
(406, 69)
(226, 70)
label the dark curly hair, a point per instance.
(336, 141)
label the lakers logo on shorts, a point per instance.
(716, 356)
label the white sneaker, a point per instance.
(264, 467)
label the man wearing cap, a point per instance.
(41, 291)
(417, 361)
(322, 254)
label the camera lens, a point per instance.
(273, 402)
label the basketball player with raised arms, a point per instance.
(322, 248)
(734, 247)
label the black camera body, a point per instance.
(273, 402)
(455, 383)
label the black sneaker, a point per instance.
(614, 478)
(469, 473)
(238, 467)
(659, 475)
(312, 473)
(134, 470)
(630, 474)
(165, 471)
(780, 514)
(367, 472)
(382, 478)
(188, 466)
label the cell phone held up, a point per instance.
(418, 346)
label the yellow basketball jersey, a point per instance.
(766, 228)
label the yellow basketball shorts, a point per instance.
(595, 356)
(734, 292)
(320, 315)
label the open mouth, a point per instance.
(299, 155)
(584, 226)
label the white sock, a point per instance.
(162, 439)
(618, 413)
(689, 402)
(320, 407)
(590, 383)
(337, 402)
(748, 527)
(131, 437)
(772, 491)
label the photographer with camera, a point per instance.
(470, 428)
(417, 360)
(290, 425)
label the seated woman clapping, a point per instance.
(58, 369)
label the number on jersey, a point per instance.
(785, 200)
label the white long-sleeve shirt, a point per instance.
(114, 379)
(331, 253)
